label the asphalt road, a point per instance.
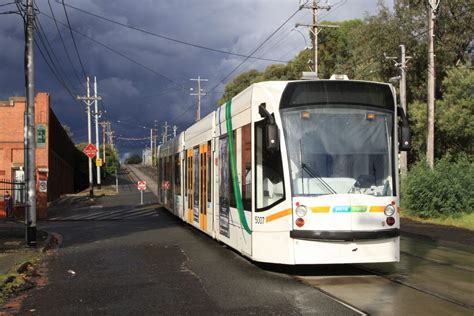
(152, 264)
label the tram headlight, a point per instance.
(301, 211)
(389, 210)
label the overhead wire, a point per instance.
(53, 68)
(56, 63)
(5, 4)
(167, 37)
(81, 82)
(74, 41)
(258, 47)
(116, 52)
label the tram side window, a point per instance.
(209, 174)
(177, 174)
(196, 177)
(269, 172)
(247, 167)
(226, 189)
(232, 201)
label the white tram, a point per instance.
(293, 172)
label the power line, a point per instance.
(51, 66)
(258, 47)
(64, 46)
(5, 4)
(54, 73)
(116, 51)
(48, 48)
(74, 41)
(168, 38)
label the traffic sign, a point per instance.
(141, 185)
(90, 151)
(98, 162)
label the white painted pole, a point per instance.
(96, 115)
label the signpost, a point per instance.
(40, 136)
(90, 151)
(142, 187)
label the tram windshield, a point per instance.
(339, 150)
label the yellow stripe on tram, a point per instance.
(377, 209)
(278, 215)
(320, 209)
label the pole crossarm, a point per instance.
(313, 28)
(199, 94)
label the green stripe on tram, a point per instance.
(233, 168)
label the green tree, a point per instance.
(455, 112)
(454, 116)
(133, 160)
(112, 161)
(238, 84)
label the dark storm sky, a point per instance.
(158, 88)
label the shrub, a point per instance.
(444, 191)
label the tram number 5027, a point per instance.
(259, 219)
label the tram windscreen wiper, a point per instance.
(313, 174)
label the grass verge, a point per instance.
(463, 221)
(19, 277)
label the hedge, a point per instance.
(446, 190)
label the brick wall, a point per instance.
(56, 159)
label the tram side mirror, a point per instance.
(404, 135)
(405, 138)
(272, 140)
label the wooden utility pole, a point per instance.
(104, 139)
(402, 66)
(432, 10)
(165, 132)
(315, 7)
(199, 94)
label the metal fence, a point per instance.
(16, 190)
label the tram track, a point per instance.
(365, 289)
(440, 262)
(417, 288)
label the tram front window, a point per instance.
(339, 150)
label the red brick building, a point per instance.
(56, 156)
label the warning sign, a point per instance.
(141, 185)
(90, 151)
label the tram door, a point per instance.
(189, 185)
(203, 187)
